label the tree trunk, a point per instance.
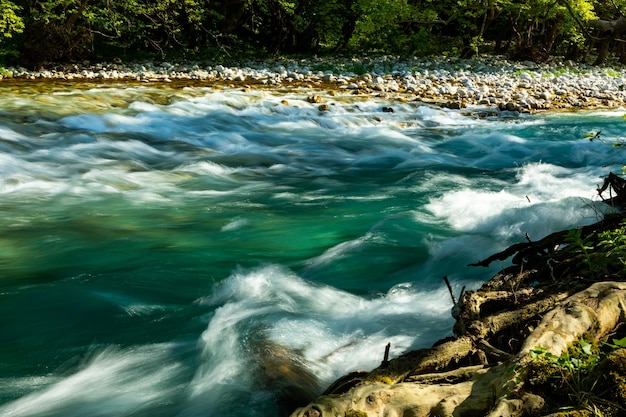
(603, 52)
(609, 27)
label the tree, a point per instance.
(10, 22)
(606, 31)
(54, 31)
(394, 26)
(156, 26)
(66, 30)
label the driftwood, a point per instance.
(544, 248)
(615, 184)
(484, 369)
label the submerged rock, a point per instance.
(285, 371)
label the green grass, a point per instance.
(612, 72)
(577, 379)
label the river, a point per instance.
(194, 251)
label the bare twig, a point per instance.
(454, 300)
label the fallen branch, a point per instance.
(522, 251)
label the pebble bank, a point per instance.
(448, 82)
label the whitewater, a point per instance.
(197, 251)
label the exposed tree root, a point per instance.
(541, 302)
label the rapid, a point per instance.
(196, 251)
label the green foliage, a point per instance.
(590, 261)
(394, 25)
(612, 245)
(616, 143)
(581, 359)
(185, 29)
(617, 343)
(601, 254)
(11, 24)
(613, 73)
(576, 377)
(10, 21)
(157, 25)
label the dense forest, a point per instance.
(38, 32)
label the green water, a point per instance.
(183, 251)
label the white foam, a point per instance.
(336, 332)
(19, 176)
(332, 254)
(10, 134)
(467, 209)
(143, 107)
(443, 117)
(207, 168)
(544, 197)
(115, 382)
(235, 225)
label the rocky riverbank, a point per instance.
(544, 337)
(449, 82)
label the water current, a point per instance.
(189, 251)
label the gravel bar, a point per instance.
(448, 82)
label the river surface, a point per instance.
(170, 251)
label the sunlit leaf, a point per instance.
(620, 342)
(585, 346)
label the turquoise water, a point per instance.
(169, 251)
